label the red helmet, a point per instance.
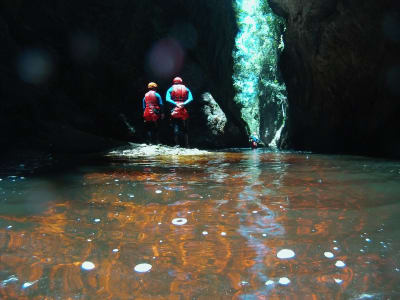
(177, 80)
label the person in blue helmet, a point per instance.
(153, 109)
(254, 140)
(179, 96)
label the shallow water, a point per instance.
(206, 227)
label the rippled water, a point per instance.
(239, 225)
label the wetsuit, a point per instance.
(179, 96)
(153, 107)
(254, 141)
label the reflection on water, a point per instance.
(243, 225)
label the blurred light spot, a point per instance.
(158, 191)
(115, 250)
(284, 281)
(87, 265)
(179, 221)
(391, 27)
(368, 240)
(204, 233)
(340, 264)
(285, 253)
(166, 58)
(142, 268)
(335, 248)
(393, 80)
(34, 66)
(96, 220)
(84, 47)
(223, 233)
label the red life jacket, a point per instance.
(179, 94)
(152, 111)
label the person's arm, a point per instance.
(168, 97)
(189, 99)
(160, 102)
(144, 103)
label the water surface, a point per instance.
(228, 225)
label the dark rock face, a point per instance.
(77, 71)
(341, 65)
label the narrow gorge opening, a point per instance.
(260, 91)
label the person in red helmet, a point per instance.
(152, 111)
(180, 97)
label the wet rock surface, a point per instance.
(341, 67)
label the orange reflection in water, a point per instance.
(240, 212)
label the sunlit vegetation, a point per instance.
(256, 76)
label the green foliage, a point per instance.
(258, 45)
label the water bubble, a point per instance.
(335, 248)
(28, 284)
(115, 250)
(368, 240)
(204, 233)
(142, 268)
(284, 281)
(338, 281)
(87, 265)
(285, 253)
(269, 282)
(340, 264)
(329, 254)
(9, 226)
(179, 221)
